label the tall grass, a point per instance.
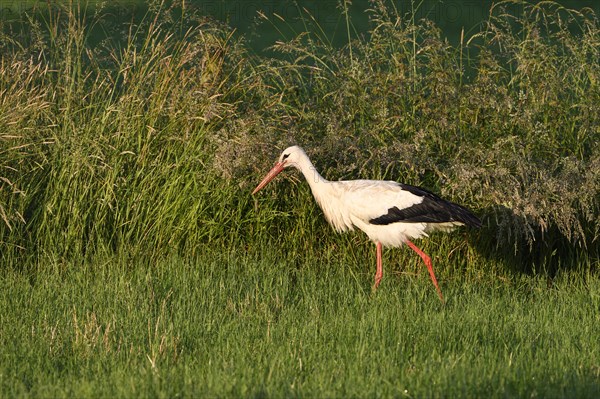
(515, 134)
(117, 152)
(149, 142)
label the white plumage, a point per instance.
(389, 213)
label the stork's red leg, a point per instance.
(427, 261)
(379, 272)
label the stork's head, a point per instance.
(291, 156)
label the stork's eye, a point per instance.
(285, 157)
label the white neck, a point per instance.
(312, 176)
(325, 195)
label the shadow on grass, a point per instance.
(526, 247)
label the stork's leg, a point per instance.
(427, 261)
(379, 272)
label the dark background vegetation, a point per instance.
(147, 134)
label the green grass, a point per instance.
(265, 326)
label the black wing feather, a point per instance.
(432, 209)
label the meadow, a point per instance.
(262, 325)
(135, 262)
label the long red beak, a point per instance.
(270, 176)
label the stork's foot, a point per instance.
(377, 281)
(427, 261)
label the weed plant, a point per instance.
(149, 142)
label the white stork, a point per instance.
(389, 213)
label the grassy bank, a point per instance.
(262, 326)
